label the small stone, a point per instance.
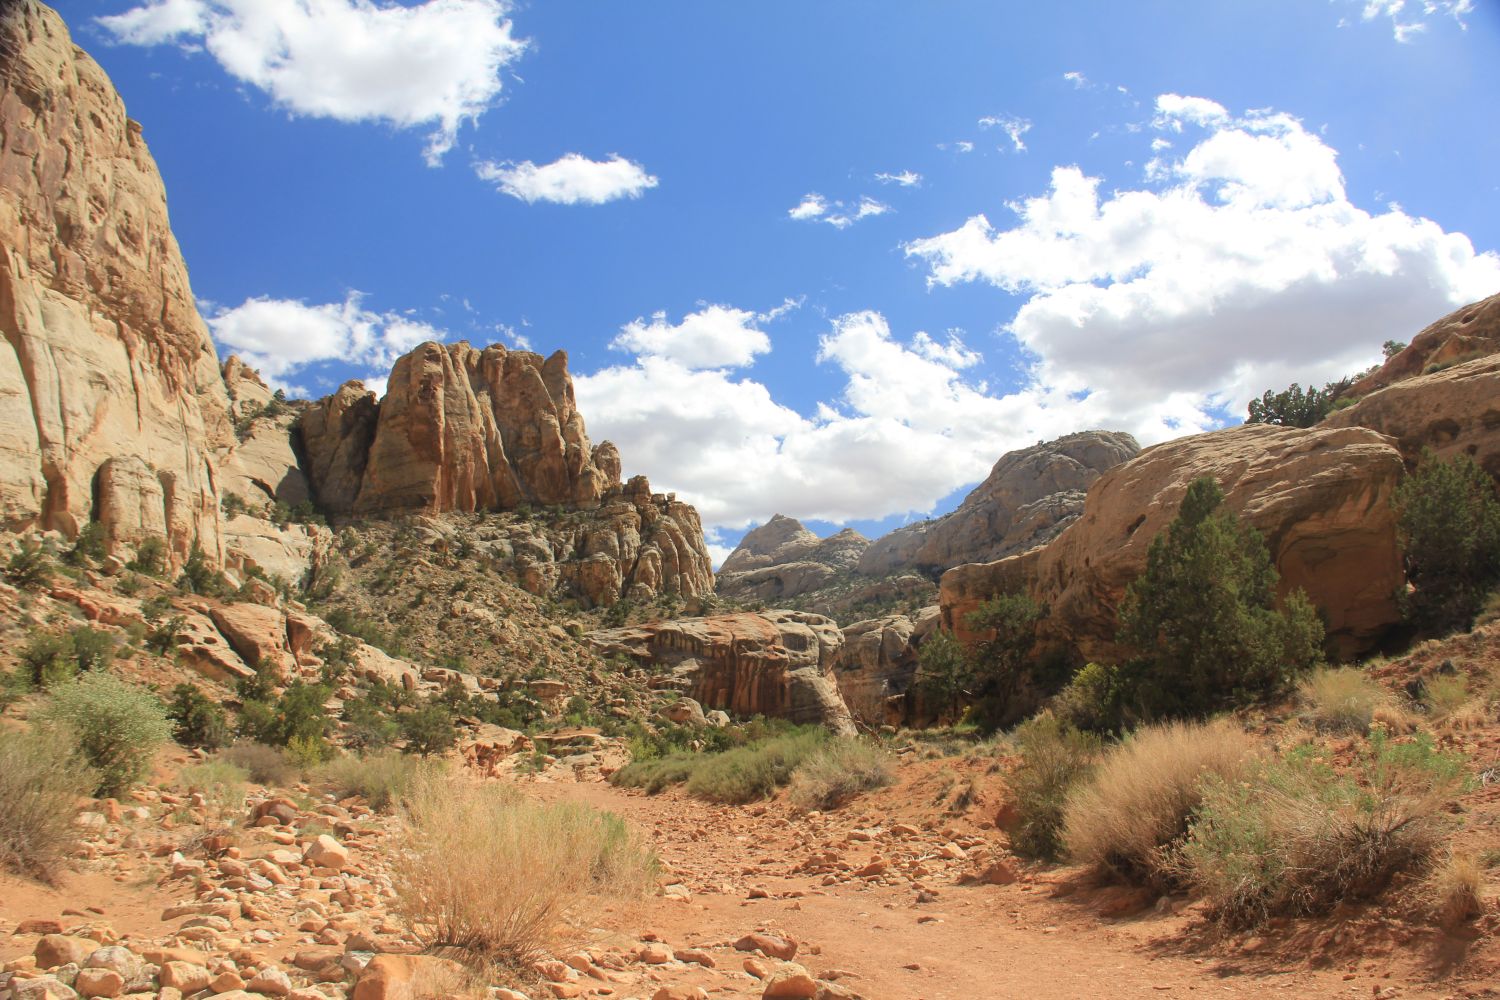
(654, 954)
(99, 983)
(769, 945)
(697, 956)
(325, 852)
(185, 976)
(271, 983)
(54, 950)
(680, 993)
(226, 982)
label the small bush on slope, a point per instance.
(1343, 699)
(116, 727)
(41, 781)
(837, 773)
(1140, 798)
(266, 765)
(1295, 837)
(741, 774)
(220, 783)
(491, 873)
(1054, 758)
(198, 721)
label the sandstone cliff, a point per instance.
(1320, 497)
(1462, 335)
(111, 400)
(459, 429)
(779, 663)
(781, 559)
(877, 666)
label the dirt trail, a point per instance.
(967, 941)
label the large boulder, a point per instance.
(1320, 497)
(1462, 335)
(105, 359)
(779, 663)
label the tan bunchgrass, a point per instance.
(1343, 699)
(1454, 889)
(837, 773)
(41, 782)
(1140, 798)
(490, 873)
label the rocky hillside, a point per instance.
(1029, 496)
(113, 407)
(1321, 497)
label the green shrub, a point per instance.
(367, 727)
(266, 765)
(1448, 519)
(656, 773)
(428, 730)
(1298, 838)
(29, 567)
(1091, 700)
(382, 780)
(93, 649)
(299, 714)
(1000, 661)
(946, 673)
(1138, 801)
(41, 781)
(198, 721)
(838, 772)
(162, 637)
(150, 556)
(47, 660)
(1444, 694)
(306, 752)
(1055, 756)
(1202, 620)
(88, 547)
(14, 686)
(745, 774)
(116, 727)
(198, 577)
(1294, 407)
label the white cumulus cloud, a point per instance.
(572, 179)
(283, 338)
(815, 208)
(714, 337)
(1245, 266)
(436, 64)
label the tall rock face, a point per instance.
(1027, 497)
(466, 431)
(111, 400)
(781, 559)
(1320, 497)
(459, 429)
(779, 663)
(877, 667)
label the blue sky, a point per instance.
(829, 259)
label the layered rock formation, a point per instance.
(1320, 497)
(1028, 496)
(459, 429)
(782, 559)
(1462, 335)
(1455, 410)
(878, 663)
(779, 663)
(111, 400)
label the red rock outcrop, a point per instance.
(110, 392)
(1320, 498)
(459, 429)
(779, 663)
(878, 663)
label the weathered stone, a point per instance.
(1319, 497)
(877, 665)
(54, 950)
(779, 663)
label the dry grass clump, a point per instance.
(486, 871)
(1296, 837)
(266, 765)
(738, 775)
(1343, 699)
(41, 781)
(1141, 796)
(1450, 702)
(837, 773)
(380, 779)
(1454, 888)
